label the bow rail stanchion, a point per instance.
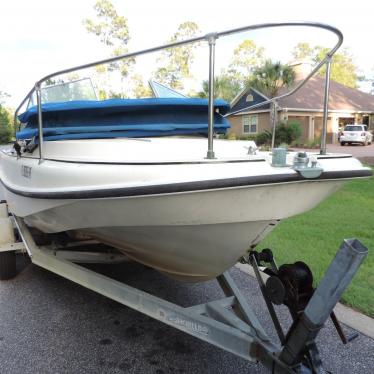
(210, 38)
(212, 43)
(38, 92)
(325, 106)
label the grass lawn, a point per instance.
(315, 236)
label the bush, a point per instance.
(247, 137)
(227, 136)
(260, 139)
(231, 136)
(315, 144)
(287, 132)
(263, 138)
(284, 145)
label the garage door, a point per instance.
(318, 124)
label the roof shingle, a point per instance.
(342, 98)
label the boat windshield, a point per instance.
(81, 89)
(160, 90)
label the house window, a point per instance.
(250, 124)
(249, 98)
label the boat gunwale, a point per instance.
(187, 187)
(175, 162)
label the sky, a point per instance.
(39, 37)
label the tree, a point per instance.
(5, 120)
(5, 125)
(111, 28)
(302, 51)
(176, 62)
(343, 68)
(113, 31)
(225, 87)
(139, 89)
(3, 95)
(247, 57)
(269, 79)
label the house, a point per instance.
(346, 105)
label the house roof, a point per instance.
(240, 101)
(341, 98)
(246, 90)
(310, 97)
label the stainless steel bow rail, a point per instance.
(228, 323)
(211, 40)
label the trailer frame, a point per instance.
(228, 323)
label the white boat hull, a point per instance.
(183, 219)
(191, 236)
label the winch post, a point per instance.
(325, 106)
(269, 305)
(337, 278)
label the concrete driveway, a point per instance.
(51, 325)
(363, 153)
(355, 150)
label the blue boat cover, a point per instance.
(123, 118)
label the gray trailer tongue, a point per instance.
(228, 323)
(292, 285)
(302, 334)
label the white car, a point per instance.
(356, 134)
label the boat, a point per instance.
(134, 174)
(157, 198)
(90, 181)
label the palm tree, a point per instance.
(269, 79)
(224, 88)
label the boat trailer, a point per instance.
(228, 323)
